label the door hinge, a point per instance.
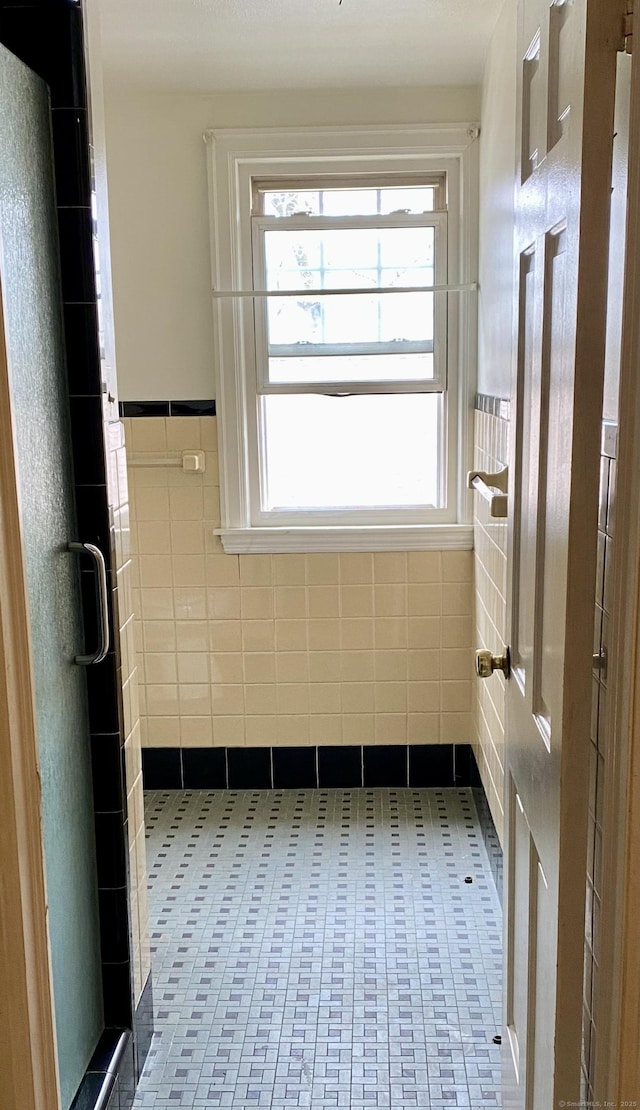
(626, 42)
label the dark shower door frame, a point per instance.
(49, 37)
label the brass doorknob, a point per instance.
(486, 663)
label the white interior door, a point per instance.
(567, 55)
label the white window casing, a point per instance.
(236, 160)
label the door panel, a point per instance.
(559, 90)
(533, 121)
(526, 478)
(530, 995)
(29, 276)
(565, 112)
(540, 1078)
(549, 604)
(518, 947)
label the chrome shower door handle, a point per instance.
(102, 602)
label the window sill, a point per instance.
(424, 537)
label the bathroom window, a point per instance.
(338, 391)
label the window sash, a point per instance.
(327, 350)
(350, 223)
(436, 384)
(327, 182)
(352, 515)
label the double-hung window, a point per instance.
(338, 347)
(351, 376)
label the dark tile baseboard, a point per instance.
(297, 768)
(168, 408)
(490, 837)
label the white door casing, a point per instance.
(566, 58)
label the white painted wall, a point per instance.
(497, 192)
(159, 212)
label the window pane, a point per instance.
(352, 258)
(406, 317)
(390, 367)
(349, 201)
(351, 452)
(315, 256)
(291, 204)
(413, 199)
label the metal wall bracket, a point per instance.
(492, 488)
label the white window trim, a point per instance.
(235, 157)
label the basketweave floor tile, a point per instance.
(321, 948)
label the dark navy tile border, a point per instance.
(144, 408)
(204, 768)
(433, 765)
(249, 768)
(168, 408)
(192, 408)
(297, 768)
(465, 768)
(162, 768)
(495, 406)
(294, 768)
(339, 766)
(386, 765)
(114, 916)
(490, 837)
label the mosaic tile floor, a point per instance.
(321, 948)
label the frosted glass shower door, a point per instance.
(31, 307)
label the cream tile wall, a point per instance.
(284, 649)
(490, 558)
(128, 674)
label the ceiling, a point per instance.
(211, 45)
